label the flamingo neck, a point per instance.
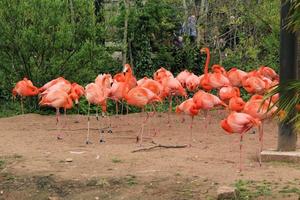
(207, 61)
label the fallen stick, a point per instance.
(159, 146)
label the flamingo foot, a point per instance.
(88, 142)
(102, 141)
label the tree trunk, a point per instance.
(125, 38)
(287, 138)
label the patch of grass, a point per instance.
(287, 189)
(2, 164)
(9, 176)
(130, 180)
(17, 156)
(248, 189)
(116, 160)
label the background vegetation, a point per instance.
(44, 39)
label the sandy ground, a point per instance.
(31, 151)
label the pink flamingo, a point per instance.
(239, 123)
(188, 107)
(24, 88)
(140, 97)
(57, 99)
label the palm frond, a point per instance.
(289, 98)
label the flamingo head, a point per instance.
(226, 126)
(204, 50)
(127, 68)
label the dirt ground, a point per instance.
(35, 165)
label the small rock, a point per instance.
(69, 160)
(1, 192)
(96, 198)
(53, 198)
(225, 192)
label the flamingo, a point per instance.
(259, 109)
(53, 82)
(217, 79)
(140, 97)
(236, 104)
(119, 89)
(95, 95)
(192, 82)
(162, 74)
(254, 84)
(236, 76)
(268, 73)
(188, 107)
(239, 123)
(228, 92)
(172, 87)
(104, 81)
(24, 88)
(182, 77)
(206, 101)
(57, 99)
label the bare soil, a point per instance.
(35, 165)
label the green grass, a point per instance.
(116, 160)
(130, 180)
(288, 189)
(248, 190)
(2, 164)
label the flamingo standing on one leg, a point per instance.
(57, 99)
(189, 108)
(104, 81)
(239, 123)
(24, 88)
(260, 110)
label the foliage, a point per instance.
(43, 39)
(294, 21)
(288, 102)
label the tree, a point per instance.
(289, 87)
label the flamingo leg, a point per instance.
(97, 115)
(105, 115)
(59, 136)
(241, 147)
(206, 117)
(156, 130)
(140, 135)
(122, 108)
(191, 131)
(117, 108)
(88, 133)
(170, 110)
(22, 106)
(65, 118)
(78, 114)
(261, 132)
(101, 131)
(127, 109)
